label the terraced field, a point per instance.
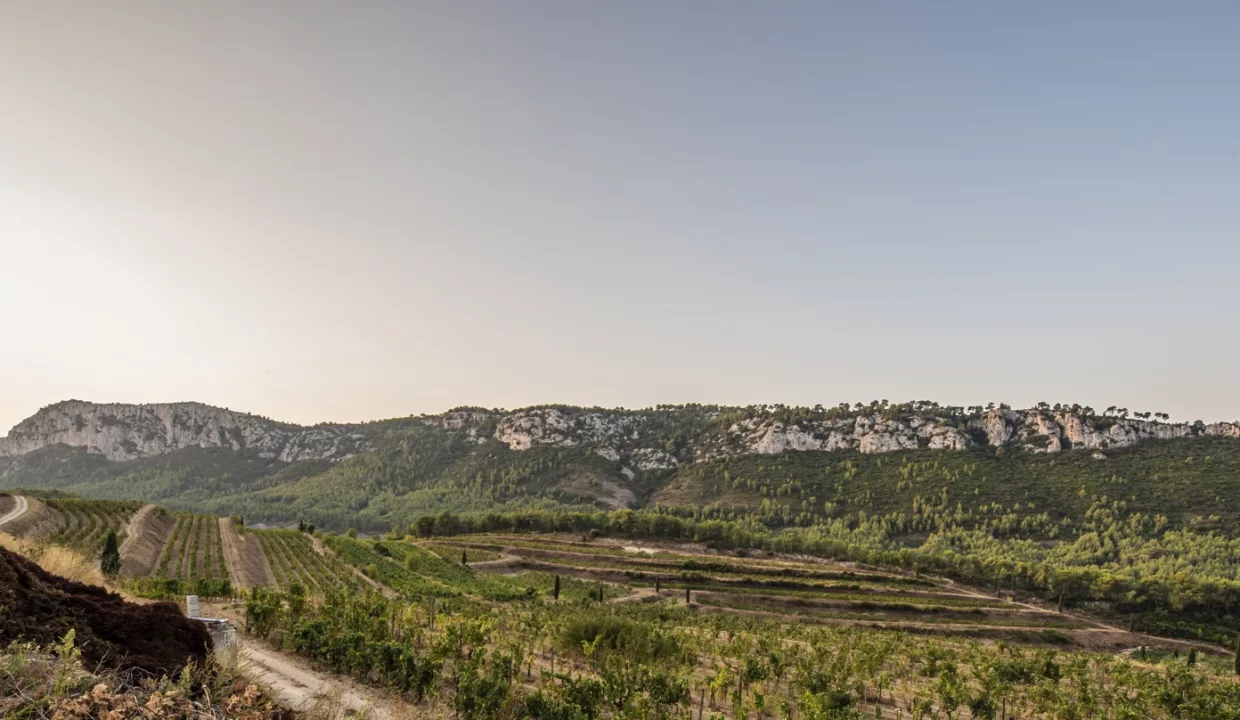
(85, 523)
(453, 553)
(783, 590)
(293, 559)
(194, 550)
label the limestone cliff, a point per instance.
(124, 432)
(641, 440)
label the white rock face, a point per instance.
(868, 434)
(651, 459)
(1224, 429)
(998, 425)
(125, 432)
(469, 422)
(523, 429)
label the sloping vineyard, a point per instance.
(542, 659)
(194, 550)
(293, 559)
(85, 523)
(453, 574)
(796, 592)
(376, 561)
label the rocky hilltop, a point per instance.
(125, 432)
(874, 429)
(641, 440)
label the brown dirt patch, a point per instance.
(144, 539)
(6, 503)
(38, 522)
(247, 564)
(39, 607)
(607, 493)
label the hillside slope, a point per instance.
(787, 464)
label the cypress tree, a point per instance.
(110, 560)
(464, 556)
(1236, 665)
(555, 589)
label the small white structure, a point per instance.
(223, 634)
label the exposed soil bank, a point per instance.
(144, 539)
(40, 607)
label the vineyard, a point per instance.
(85, 523)
(580, 658)
(294, 560)
(453, 552)
(575, 627)
(793, 592)
(194, 550)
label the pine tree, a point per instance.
(1192, 657)
(110, 560)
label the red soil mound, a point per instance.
(40, 607)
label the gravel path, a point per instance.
(21, 505)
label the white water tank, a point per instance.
(191, 606)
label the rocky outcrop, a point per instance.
(866, 433)
(523, 429)
(1047, 431)
(651, 459)
(124, 432)
(637, 441)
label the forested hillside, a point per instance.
(1018, 471)
(1120, 508)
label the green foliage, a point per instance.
(110, 558)
(294, 560)
(1152, 532)
(85, 524)
(194, 550)
(157, 588)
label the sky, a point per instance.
(327, 211)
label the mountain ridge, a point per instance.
(783, 465)
(121, 431)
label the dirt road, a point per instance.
(300, 687)
(244, 558)
(21, 505)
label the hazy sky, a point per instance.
(354, 210)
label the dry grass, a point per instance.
(57, 560)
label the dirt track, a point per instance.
(145, 536)
(7, 503)
(298, 686)
(30, 519)
(247, 564)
